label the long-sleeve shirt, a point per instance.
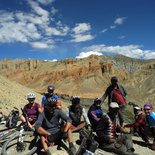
(140, 122)
(50, 122)
(106, 129)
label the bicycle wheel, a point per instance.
(13, 147)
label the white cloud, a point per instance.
(82, 37)
(87, 54)
(133, 51)
(121, 37)
(104, 30)
(33, 27)
(81, 28)
(81, 33)
(119, 20)
(112, 26)
(45, 2)
(41, 45)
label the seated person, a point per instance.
(48, 126)
(140, 123)
(150, 120)
(106, 132)
(76, 112)
(32, 110)
(95, 113)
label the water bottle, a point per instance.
(20, 134)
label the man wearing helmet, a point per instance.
(49, 127)
(116, 93)
(50, 94)
(76, 112)
(32, 110)
(95, 113)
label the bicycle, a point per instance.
(21, 142)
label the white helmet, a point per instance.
(31, 95)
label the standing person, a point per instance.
(116, 93)
(32, 110)
(150, 120)
(50, 129)
(95, 113)
(49, 94)
(106, 132)
(76, 112)
(139, 124)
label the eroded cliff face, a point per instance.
(71, 76)
(87, 77)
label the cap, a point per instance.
(137, 107)
(148, 106)
(114, 105)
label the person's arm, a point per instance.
(43, 100)
(104, 96)
(67, 112)
(84, 114)
(38, 125)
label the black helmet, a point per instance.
(50, 87)
(97, 101)
(51, 102)
(114, 79)
(75, 100)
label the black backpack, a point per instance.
(12, 119)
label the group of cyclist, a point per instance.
(53, 125)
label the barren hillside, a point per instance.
(87, 77)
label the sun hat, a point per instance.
(137, 107)
(114, 105)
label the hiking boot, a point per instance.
(72, 150)
(47, 152)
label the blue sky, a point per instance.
(58, 29)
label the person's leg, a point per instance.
(113, 148)
(45, 146)
(22, 118)
(127, 141)
(77, 128)
(121, 114)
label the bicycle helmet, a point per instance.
(75, 100)
(31, 95)
(97, 100)
(50, 87)
(51, 102)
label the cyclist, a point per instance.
(49, 127)
(95, 113)
(140, 123)
(116, 93)
(76, 112)
(32, 110)
(50, 94)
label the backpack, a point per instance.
(12, 119)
